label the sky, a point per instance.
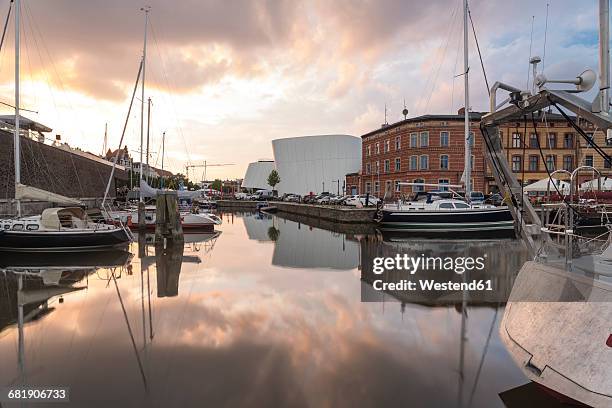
(227, 77)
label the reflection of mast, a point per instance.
(21, 352)
(462, 343)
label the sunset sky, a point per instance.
(227, 77)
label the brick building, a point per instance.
(430, 149)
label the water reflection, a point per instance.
(254, 325)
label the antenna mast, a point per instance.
(17, 141)
(467, 173)
(146, 9)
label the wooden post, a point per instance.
(168, 219)
(141, 217)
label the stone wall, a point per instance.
(331, 213)
(54, 169)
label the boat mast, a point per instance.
(467, 173)
(162, 160)
(16, 143)
(146, 9)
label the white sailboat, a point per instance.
(56, 229)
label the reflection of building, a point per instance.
(301, 246)
(316, 163)
(502, 260)
(257, 226)
(256, 176)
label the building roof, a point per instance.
(25, 123)
(474, 116)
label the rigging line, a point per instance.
(127, 117)
(530, 46)
(484, 353)
(6, 23)
(545, 35)
(441, 49)
(169, 85)
(590, 142)
(129, 327)
(484, 72)
(55, 71)
(551, 180)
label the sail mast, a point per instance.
(467, 174)
(17, 147)
(146, 9)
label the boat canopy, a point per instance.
(543, 185)
(55, 218)
(32, 193)
(605, 182)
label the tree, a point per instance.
(273, 179)
(216, 185)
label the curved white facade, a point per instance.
(257, 175)
(315, 163)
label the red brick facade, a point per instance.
(426, 149)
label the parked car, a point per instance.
(241, 196)
(357, 200)
(290, 197)
(477, 197)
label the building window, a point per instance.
(608, 141)
(590, 138)
(443, 181)
(444, 162)
(534, 162)
(533, 141)
(368, 187)
(607, 164)
(516, 163)
(398, 142)
(588, 160)
(397, 186)
(424, 162)
(568, 141)
(414, 162)
(516, 140)
(368, 151)
(424, 139)
(552, 140)
(388, 187)
(377, 167)
(414, 139)
(444, 139)
(551, 162)
(387, 166)
(568, 162)
(377, 148)
(368, 168)
(387, 146)
(376, 187)
(418, 188)
(398, 164)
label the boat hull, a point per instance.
(51, 241)
(471, 220)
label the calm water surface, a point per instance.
(266, 313)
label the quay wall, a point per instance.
(330, 213)
(243, 204)
(53, 169)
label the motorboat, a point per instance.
(189, 220)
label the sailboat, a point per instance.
(130, 217)
(55, 229)
(441, 212)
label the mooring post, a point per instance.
(168, 219)
(141, 217)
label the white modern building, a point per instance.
(257, 173)
(315, 163)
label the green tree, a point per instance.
(216, 185)
(273, 179)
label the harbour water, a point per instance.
(268, 312)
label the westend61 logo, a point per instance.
(412, 264)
